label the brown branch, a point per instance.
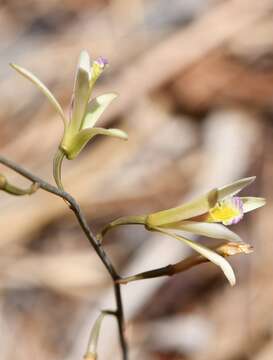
(225, 249)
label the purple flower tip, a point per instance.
(102, 62)
(237, 204)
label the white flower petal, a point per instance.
(28, 75)
(81, 91)
(95, 109)
(109, 132)
(84, 63)
(215, 258)
(235, 187)
(252, 203)
(207, 253)
(213, 230)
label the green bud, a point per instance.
(91, 353)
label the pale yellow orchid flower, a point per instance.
(206, 216)
(79, 127)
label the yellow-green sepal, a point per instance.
(186, 211)
(234, 188)
(95, 109)
(42, 87)
(73, 146)
(252, 203)
(81, 93)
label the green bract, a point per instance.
(79, 128)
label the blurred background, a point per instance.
(195, 79)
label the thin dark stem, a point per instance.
(74, 206)
(120, 315)
(168, 270)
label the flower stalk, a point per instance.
(57, 168)
(225, 249)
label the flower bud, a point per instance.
(15, 190)
(91, 353)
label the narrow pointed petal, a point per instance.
(81, 91)
(235, 187)
(95, 109)
(82, 138)
(108, 132)
(28, 75)
(215, 258)
(252, 203)
(212, 230)
(186, 211)
(208, 254)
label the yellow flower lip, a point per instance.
(228, 211)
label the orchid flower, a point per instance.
(79, 128)
(208, 215)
